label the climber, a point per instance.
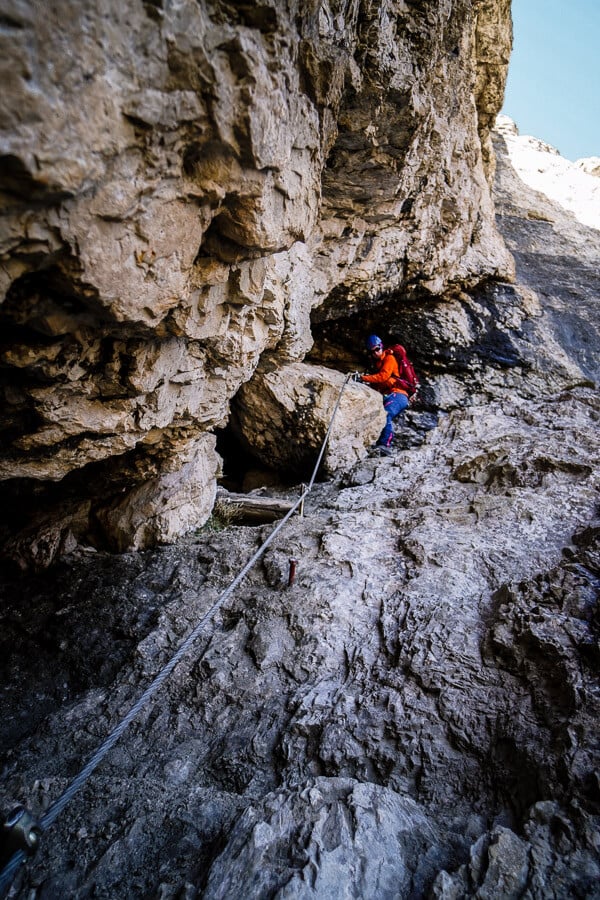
(386, 380)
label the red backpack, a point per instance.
(407, 379)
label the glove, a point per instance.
(356, 376)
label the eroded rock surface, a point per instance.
(194, 193)
(535, 337)
(419, 709)
(181, 185)
(552, 227)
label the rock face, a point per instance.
(182, 184)
(548, 213)
(415, 714)
(537, 336)
(573, 186)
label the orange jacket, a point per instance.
(384, 380)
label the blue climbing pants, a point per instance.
(393, 405)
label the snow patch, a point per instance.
(573, 185)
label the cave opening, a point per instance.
(240, 469)
(248, 491)
(243, 471)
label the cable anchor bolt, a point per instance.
(292, 571)
(20, 831)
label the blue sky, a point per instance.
(553, 88)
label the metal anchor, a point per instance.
(20, 831)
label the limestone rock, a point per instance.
(306, 843)
(548, 862)
(537, 337)
(570, 185)
(551, 225)
(160, 509)
(423, 698)
(194, 193)
(184, 184)
(284, 416)
(386, 214)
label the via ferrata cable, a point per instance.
(29, 837)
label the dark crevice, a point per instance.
(18, 183)
(242, 470)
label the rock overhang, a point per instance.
(245, 169)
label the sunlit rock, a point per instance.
(284, 416)
(571, 185)
(183, 185)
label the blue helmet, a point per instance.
(373, 342)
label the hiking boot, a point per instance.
(380, 450)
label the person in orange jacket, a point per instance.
(385, 380)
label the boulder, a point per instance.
(283, 416)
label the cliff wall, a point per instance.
(416, 714)
(182, 185)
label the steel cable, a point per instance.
(9, 871)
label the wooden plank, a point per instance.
(250, 507)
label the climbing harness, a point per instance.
(21, 831)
